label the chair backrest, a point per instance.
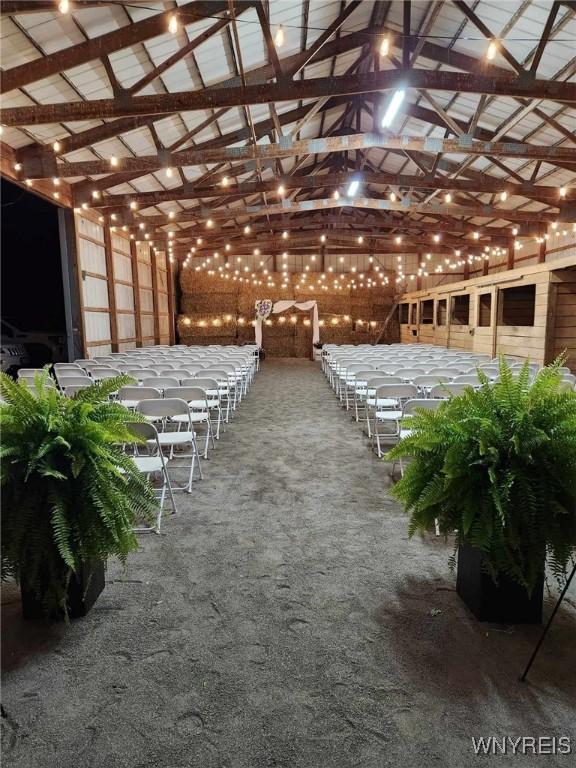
(467, 378)
(164, 407)
(67, 381)
(72, 389)
(397, 391)
(407, 374)
(105, 373)
(373, 382)
(430, 379)
(429, 403)
(66, 367)
(205, 382)
(161, 382)
(446, 371)
(176, 373)
(30, 381)
(143, 430)
(186, 393)
(28, 373)
(450, 389)
(133, 393)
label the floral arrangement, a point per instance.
(263, 309)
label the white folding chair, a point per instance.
(167, 409)
(152, 465)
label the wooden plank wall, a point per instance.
(564, 337)
(126, 290)
(554, 314)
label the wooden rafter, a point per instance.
(348, 85)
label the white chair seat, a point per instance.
(148, 463)
(195, 418)
(383, 402)
(129, 403)
(405, 433)
(389, 415)
(174, 438)
(202, 403)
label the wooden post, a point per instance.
(136, 289)
(542, 252)
(170, 288)
(111, 288)
(510, 260)
(155, 296)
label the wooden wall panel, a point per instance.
(554, 313)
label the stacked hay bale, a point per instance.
(219, 311)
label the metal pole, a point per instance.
(547, 627)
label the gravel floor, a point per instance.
(282, 620)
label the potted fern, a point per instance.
(496, 467)
(70, 494)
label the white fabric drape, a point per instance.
(283, 306)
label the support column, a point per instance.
(111, 288)
(136, 290)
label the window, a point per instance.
(413, 314)
(403, 314)
(460, 310)
(427, 312)
(517, 305)
(484, 310)
(441, 312)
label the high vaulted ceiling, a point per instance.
(191, 118)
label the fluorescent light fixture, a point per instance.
(393, 108)
(353, 187)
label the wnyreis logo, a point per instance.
(522, 745)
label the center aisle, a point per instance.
(282, 620)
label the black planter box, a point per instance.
(505, 602)
(83, 591)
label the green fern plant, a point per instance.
(497, 465)
(70, 494)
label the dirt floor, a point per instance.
(282, 620)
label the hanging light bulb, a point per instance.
(64, 6)
(247, 229)
(360, 240)
(281, 190)
(392, 197)
(169, 173)
(336, 195)
(436, 238)
(133, 205)
(322, 238)
(285, 235)
(448, 197)
(491, 52)
(385, 46)
(503, 196)
(173, 24)
(113, 161)
(56, 146)
(563, 191)
(398, 240)
(279, 37)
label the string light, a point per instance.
(64, 6)
(503, 196)
(209, 223)
(336, 195)
(56, 146)
(448, 197)
(385, 46)
(279, 37)
(360, 239)
(113, 161)
(225, 181)
(173, 24)
(392, 197)
(247, 229)
(322, 238)
(281, 191)
(491, 51)
(169, 173)
(563, 191)
(285, 235)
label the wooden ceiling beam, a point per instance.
(292, 64)
(434, 209)
(484, 184)
(347, 85)
(342, 143)
(95, 48)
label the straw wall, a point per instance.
(218, 311)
